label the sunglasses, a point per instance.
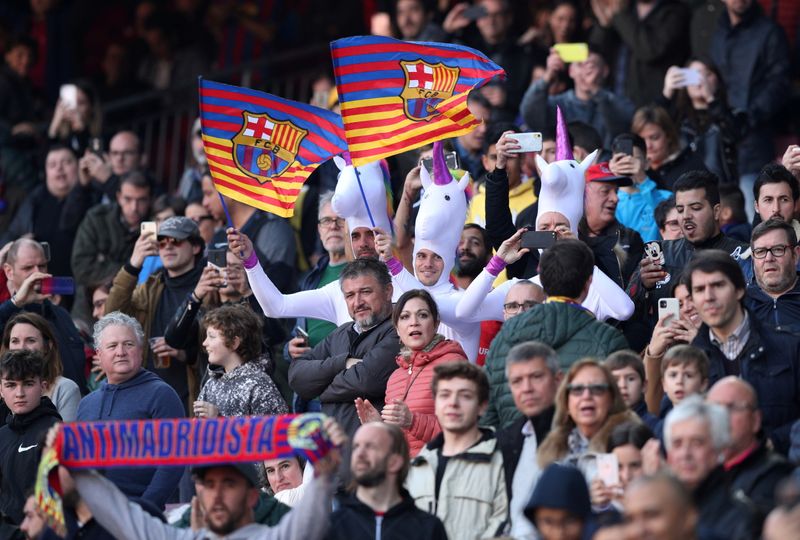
(168, 240)
(577, 390)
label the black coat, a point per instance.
(758, 474)
(404, 520)
(20, 441)
(723, 513)
(510, 441)
(783, 312)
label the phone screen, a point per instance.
(538, 239)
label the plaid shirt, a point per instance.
(733, 346)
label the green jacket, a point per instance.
(102, 245)
(571, 331)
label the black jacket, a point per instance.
(729, 516)
(510, 441)
(669, 172)
(606, 245)
(19, 455)
(782, 312)
(404, 520)
(758, 474)
(770, 361)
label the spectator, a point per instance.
(565, 325)
(684, 373)
(533, 378)
(31, 332)
(791, 160)
(357, 359)
(32, 414)
(667, 219)
(628, 371)
(644, 38)
(706, 122)
(776, 192)
(414, 21)
(237, 383)
(774, 297)
(696, 436)
(600, 229)
(286, 478)
(659, 506)
(474, 252)
(588, 408)
(697, 203)
(17, 104)
(503, 169)
(155, 302)
(626, 443)
(445, 476)
(44, 215)
(73, 124)
(25, 267)
(752, 55)
(379, 466)
(164, 207)
(751, 465)
(563, 24)
(231, 489)
(100, 174)
(559, 506)
(107, 235)
(190, 185)
(33, 524)
(733, 220)
(469, 146)
(409, 403)
(739, 343)
(588, 101)
(130, 391)
(585, 140)
(206, 222)
(667, 160)
(637, 202)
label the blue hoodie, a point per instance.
(144, 396)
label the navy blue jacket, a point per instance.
(770, 361)
(782, 312)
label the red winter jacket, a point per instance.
(415, 389)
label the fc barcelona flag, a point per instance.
(397, 95)
(261, 148)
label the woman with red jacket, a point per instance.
(409, 398)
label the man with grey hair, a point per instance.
(697, 435)
(131, 393)
(533, 377)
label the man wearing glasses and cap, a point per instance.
(153, 303)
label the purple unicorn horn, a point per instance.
(563, 148)
(441, 175)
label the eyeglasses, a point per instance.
(168, 240)
(777, 251)
(328, 222)
(577, 390)
(514, 307)
(738, 407)
(123, 153)
(200, 219)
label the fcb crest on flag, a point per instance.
(426, 86)
(265, 147)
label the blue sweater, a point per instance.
(144, 396)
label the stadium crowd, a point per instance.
(597, 339)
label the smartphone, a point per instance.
(528, 142)
(538, 239)
(474, 13)
(69, 95)
(149, 227)
(691, 77)
(302, 333)
(623, 146)
(57, 285)
(608, 469)
(450, 159)
(669, 306)
(96, 146)
(46, 249)
(217, 258)
(572, 52)
(654, 252)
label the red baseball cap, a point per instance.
(600, 172)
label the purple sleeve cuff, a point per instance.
(251, 261)
(495, 266)
(395, 266)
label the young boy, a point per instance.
(31, 416)
(684, 373)
(628, 371)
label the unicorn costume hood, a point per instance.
(442, 212)
(563, 180)
(348, 202)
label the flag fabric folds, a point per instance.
(396, 95)
(261, 148)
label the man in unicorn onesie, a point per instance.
(560, 210)
(327, 302)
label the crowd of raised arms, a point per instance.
(597, 337)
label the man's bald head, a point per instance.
(125, 151)
(741, 400)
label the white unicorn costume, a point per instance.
(438, 228)
(327, 302)
(563, 186)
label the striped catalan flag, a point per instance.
(396, 95)
(261, 148)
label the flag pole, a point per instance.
(364, 197)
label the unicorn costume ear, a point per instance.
(348, 201)
(540, 162)
(425, 177)
(588, 161)
(339, 162)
